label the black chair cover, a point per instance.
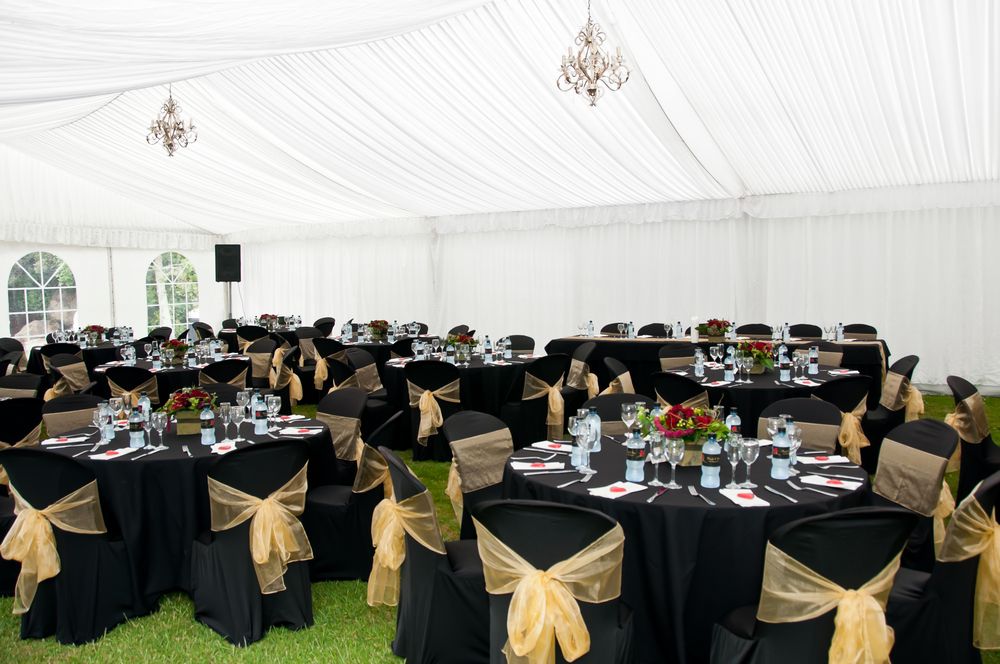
(463, 425)
(346, 402)
(431, 375)
(19, 416)
(859, 328)
(844, 393)
(615, 368)
(757, 329)
(378, 409)
(573, 397)
(980, 459)
(85, 404)
(19, 384)
(675, 389)
(161, 333)
(230, 323)
(609, 406)
(225, 393)
(806, 331)
(611, 328)
(878, 422)
(328, 347)
(459, 329)
(526, 417)
(809, 411)
(129, 378)
(325, 325)
(521, 344)
(652, 329)
(262, 345)
(226, 370)
(65, 359)
(225, 590)
(250, 333)
(402, 348)
(443, 613)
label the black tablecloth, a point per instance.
(92, 356)
(642, 358)
(168, 380)
(161, 501)
(229, 336)
(686, 564)
(764, 389)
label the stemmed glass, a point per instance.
(621, 329)
(115, 403)
(675, 452)
(733, 452)
(98, 421)
(168, 355)
(794, 443)
(226, 415)
(127, 407)
(831, 332)
(237, 415)
(738, 366)
(273, 402)
(748, 452)
(586, 439)
(715, 352)
(773, 424)
(436, 344)
(158, 420)
(747, 366)
(657, 455)
(628, 416)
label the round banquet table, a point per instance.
(229, 336)
(686, 564)
(92, 356)
(168, 379)
(160, 502)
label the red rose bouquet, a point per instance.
(378, 328)
(189, 398)
(689, 424)
(762, 352)
(715, 327)
(457, 340)
(94, 329)
(179, 347)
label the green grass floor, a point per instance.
(347, 630)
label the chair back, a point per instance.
(261, 354)
(59, 348)
(480, 446)
(550, 369)
(41, 477)
(673, 389)
(20, 416)
(830, 354)
(609, 408)
(161, 333)
(261, 469)
(584, 351)
(10, 344)
(70, 412)
(307, 337)
(860, 331)
(805, 331)
(224, 393)
(817, 420)
(132, 379)
(846, 392)
(544, 534)
(652, 330)
(338, 371)
(430, 374)
(69, 375)
(755, 330)
(364, 366)
(979, 458)
(327, 347)
(675, 356)
(459, 329)
(14, 360)
(383, 435)
(423, 327)
(325, 325)
(204, 330)
(402, 348)
(21, 385)
(230, 323)
(521, 343)
(250, 332)
(905, 366)
(912, 463)
(346, 402)
(225, 371)
(611, 328)
(620, 373)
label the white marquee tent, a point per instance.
(800, 160)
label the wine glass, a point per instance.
(733, 444)
(116, 406)
(738, 366)
(226, 415)
(715, 352)
(747, 366)
(242, 399)
(586, 440)
(831, 331)
(273, 402)
(127, 408)
(794, 436)
(773, 424)
(628, 416)
(237, 415)
(159, 422)
(96, 419)
(657, 455)
(675, 452)
(749, 451)
(621, 329)
(436, 344)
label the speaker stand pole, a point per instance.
(229, 299)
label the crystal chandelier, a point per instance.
(591, 65)
(170, 128)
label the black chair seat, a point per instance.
(909, 585)
(463, 556)
(382, 394)
(741, 621)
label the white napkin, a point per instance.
(617, 490)
(549, 445)
(831, 482)
(291, 418)
(679, 373)
(718, 383)
(744, 497)
(805, 382)
(530, 356)
(537, 465)
(645, 336)
(843, 372)
(501, 363)
(113, 454)
(62, 440)
(223, 448)
(714, 365)
(296, 431)
(821, 458)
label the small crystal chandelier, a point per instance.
(591, 65)
(170, 128)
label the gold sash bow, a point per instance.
(31, 541)
(620, 385)
(307, 352)
(244, 343)
(430, 411)
(277, 538)
(72, 379)
(149, 387)
(898, 392)
(945, 508)
(477, 462)
(699, 400)
(47, 361)
(372, 471)
(852, 436)
(350, 381)
(909, 477)
(534, 388)
(27, 441)
(368, 378)
(321, 373)
(969, 419)
(283, 377)
(391, 521)
(581, 378)
(791, 592)
(346, 435)
(260, 364)
(543, 608)
(973, 532)
(239, 380)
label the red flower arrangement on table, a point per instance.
(189, 399)
(457, 340)
(715, 327)
(378, 328)
(94, 329)
(179, 347)
(267, 317)
(689, 424)
(762, 352)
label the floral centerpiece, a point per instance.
(715, 328)
(186, 405)
(179, 347)
(692, 425)
(378, 329)
(94, 329)
(268, 321)
(456, 340)
(762, 353)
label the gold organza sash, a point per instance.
(31, 541)
(620, 385)
(543, 608)
(307, 352)
(372, 471)
(57, 424)
(279, 357)
(390, 523)
(260, 364)
(239, 380)
(831, 358)
(244, 343)
(852, 436)
(350, 381)
(47, 361)
(909, 477)
(276, 535)
(430, 411)
(969, 419)
(72, 379)
(791, 592)
(944, 509)
(699, 400)
(581, 378)
(346, 435)
(321, 373)
(613, 428)
(285, 377)
(149, 387)
(668, 363)
(898, 392)
(861, 336)
(27, 441)
(477, 462)
(973, 532)
(817, 436)
(535, 388)
(368, 378)
(16, 393)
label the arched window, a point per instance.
(41, 297)
(171, 291)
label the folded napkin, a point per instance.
(154, 370)
(744, 497)
(831, 482)
(501, 363)
(794, 339)
(530, 356)
(821, 458)
(679, 373)
(549, 445)
(223, 448)
(645, 336)
(63, 440)
(714, 365)
(805, 382)
(291, 418)
(228, 329)
(617, 490)
(537, 465)
(297, 431)
(843, 372)
(113, 454)
(100, 369)
(718, 383)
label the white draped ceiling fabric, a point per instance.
(802, 160)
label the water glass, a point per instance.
(237, 415)
(749, 451)
(158, 420)
(586, 440)
(628, 416)
(657, 455)
(226, 416)
(115, 404)
(733, 452)
(273, 402)
(675, 452)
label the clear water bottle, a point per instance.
(508, 352)
(144, 406)
(711, 458)
(792, 434)
(581, 430)
(729, 365)
(192, 357)
(216, 350)
(207, 421)
(487, 350)
(780, 453)
(635, 458)
(784, 367)
(154, 356)
(840, 331)
(107, 422)
(631, 330)
(116, 337)
(449, 353)
(781, 350)
(136, 429)
(390, 334)
(260, 417)
(590, 328)
(345, 331)
(786, 332)
(678, 330)
(595, 422)
(733, 422)
(699, 363)
(731, 332)
(814, 360)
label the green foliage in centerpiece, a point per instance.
(762, 352)
(715, 327)
(193, 399)
(378, 328)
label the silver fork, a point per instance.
(548, 458)
(581, 480)
(694, 492)
(809, 488)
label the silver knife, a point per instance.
(839, 477)
(90, 451)
(810, 488)
(694, 492)
(778, 493)
(186, 450)
(662, 490)
(65, 447)
(551, 472)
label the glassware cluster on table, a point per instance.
(781, 332)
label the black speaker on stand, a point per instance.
(228, 268)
